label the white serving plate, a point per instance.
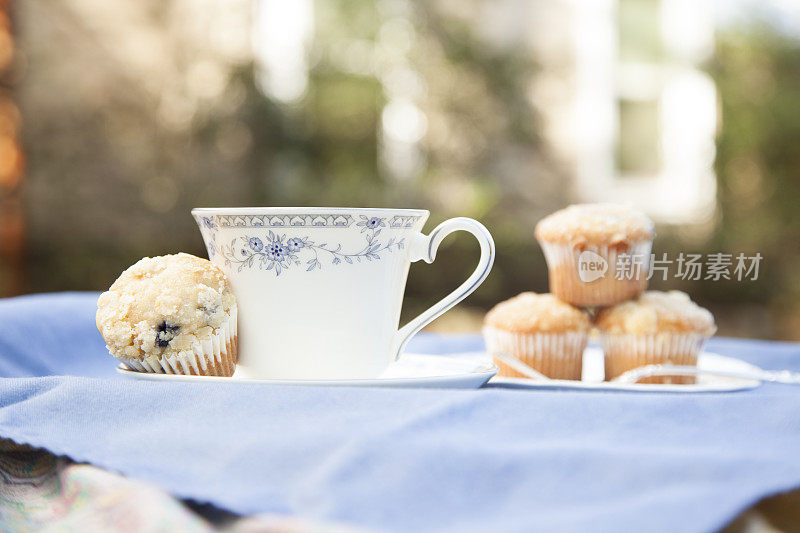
(411, 371)
(593, 374)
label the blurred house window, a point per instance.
(645, 113)
(638, 140)
(638, 30)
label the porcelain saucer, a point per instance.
(411, 371)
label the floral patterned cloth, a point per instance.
(42, 492)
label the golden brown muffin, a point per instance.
(597, 254)
(541, 331)
(657, 328)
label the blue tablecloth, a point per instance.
(405, 460)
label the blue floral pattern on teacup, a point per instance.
(207, 225)
(277, 252)
(369, 223)
(295, 244)
(256, 244)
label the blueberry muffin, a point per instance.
(174, 314)
(597, 254)
(541, 331)
(657, 328)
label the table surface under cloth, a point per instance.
(401, 459)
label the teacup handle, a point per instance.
(423, 247)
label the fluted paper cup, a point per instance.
(213, 356)
(556, 355)
(626, 351)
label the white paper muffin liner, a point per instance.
(566, 284)
(626, 351)
(214, 356)
(556, 355)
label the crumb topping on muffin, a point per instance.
(657, 312)
(163, 306)
(595, 224)
(529, 312)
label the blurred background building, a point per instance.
(117, 117)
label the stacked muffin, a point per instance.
(598, 257)
(540, 330)
(585, 246)
(656, 328)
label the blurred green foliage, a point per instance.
(114, 171)
(757, 72)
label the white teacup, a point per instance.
(319, 289)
